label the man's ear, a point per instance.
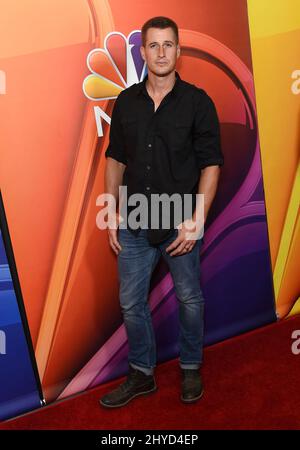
(178, 50)
(142, 50)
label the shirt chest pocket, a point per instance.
(130, 128)
(180, 133)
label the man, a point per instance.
(164, 138)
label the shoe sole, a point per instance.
(131, 398)
(192, 400)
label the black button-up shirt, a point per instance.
(164, 150)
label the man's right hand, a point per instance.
(113, 226)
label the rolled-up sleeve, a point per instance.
(115, 147)
(206, 134)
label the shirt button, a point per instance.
(149, 145)
(148, 167)
(148, 188)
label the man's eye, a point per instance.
(167, 45)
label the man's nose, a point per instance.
(161, 50)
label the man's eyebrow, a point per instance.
(154, 42)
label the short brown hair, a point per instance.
(159, 22)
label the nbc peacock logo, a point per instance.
(113, 68)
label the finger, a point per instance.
(186, 249)
(190, 247)
(114, 249)
(179, 249)
(114, 245)
(117, 244)
(114, 239)
(174, 244)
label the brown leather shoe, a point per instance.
(137, 383)
(192, 387)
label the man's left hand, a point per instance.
(183, 243)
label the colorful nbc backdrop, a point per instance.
(58, 82)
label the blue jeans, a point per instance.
(136, 262)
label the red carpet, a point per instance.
(251, 382)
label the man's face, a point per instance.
(160, 51)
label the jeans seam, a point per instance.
(147, 304)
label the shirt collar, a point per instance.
(141, 87)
